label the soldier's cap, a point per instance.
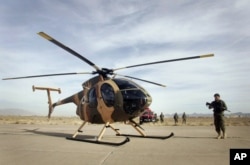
(217, 94)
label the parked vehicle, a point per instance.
(147, 116)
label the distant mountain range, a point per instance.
(236, 114)
(22, 112)
(16, 112)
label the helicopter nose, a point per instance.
(135, 100)
(149, 100)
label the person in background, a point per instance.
(184, 118)
(176, 118)
(162, 117)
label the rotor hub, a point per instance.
(104, 72)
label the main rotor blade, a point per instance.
(46, 36)
(141, 80)
(164, 61)
(47, 75)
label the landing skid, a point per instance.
(139, 129)
(100, 142)
(150, 137)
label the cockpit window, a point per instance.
(133, 100)
(125, 84)
(108, 94)
(92, 98)
(133, 96)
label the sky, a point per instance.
(117, 33)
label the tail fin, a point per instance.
(51, 108)
(71, 99)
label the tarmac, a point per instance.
(46, 144)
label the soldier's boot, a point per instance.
(224, 136)
(219, 135)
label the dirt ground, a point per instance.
(34, 140)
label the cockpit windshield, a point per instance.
(134, 98)
(125, 84)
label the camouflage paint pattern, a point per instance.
(101, 113)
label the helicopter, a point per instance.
(106, 99)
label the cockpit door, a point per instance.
(106, 95)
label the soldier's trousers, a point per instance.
(219, 123)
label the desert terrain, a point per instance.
(191, 121)
(35, 140)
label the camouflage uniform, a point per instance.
(219, 108)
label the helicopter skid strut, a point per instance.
(98, 139)
(139, 129)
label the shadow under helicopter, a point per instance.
(56, 134)
(82, 138)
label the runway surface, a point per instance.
(46, 144)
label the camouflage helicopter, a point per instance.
(105, 99)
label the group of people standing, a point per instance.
(184, 118)
(176, 117)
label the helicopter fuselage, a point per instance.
(105, 100)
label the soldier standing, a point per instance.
(155, 118)
(162, 117)
(184, 118)
(219, 107)
(176, 118)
